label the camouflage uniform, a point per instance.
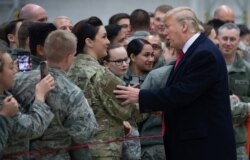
(130, 79)
(74, 119)
(27, 124)
(35, 61)
(3, 43)
(98, 84)
(5, 129)
(239, 115)
(245, 50)
(153, 149)
(239, 77)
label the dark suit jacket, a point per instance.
(196, 105)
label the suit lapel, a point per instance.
(184, 58)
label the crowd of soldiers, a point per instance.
(72, 113)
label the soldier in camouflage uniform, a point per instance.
(5, 121)
(29, 123)
(140, 52)
(239, 114)
(74, 120)
(239, 78)
(132, 149)
(238, 81)
(117, 62)
(98, 84)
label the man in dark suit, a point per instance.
(195, 100)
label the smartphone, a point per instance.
(24, 61)
(134, 81)
(43, 69)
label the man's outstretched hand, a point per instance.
(127, 95)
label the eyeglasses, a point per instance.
(119, 62)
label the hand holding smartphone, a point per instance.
(43, 69)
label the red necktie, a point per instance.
(181, 54)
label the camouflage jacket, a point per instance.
(27, 125)
(239, 84)
(130, 79)
(239, 115)
(239, 78)
(35, 61)
(98, 84)
(6, 126)
(74, 119)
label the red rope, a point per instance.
(46, 151)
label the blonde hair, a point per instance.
(185, 15)
(59, 44)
